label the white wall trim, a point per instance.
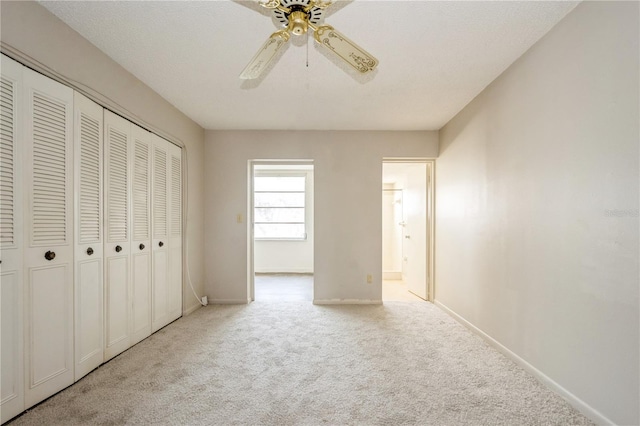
(346, 302)
(192, 309)
(229, 301)
(576, 402)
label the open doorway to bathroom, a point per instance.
(407, 229)
(282, 239)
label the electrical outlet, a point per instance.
(369, 279)
(239, 218)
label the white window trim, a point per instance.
(283, 173)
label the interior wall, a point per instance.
(30, 29)
(348, 205)
(537, 210)
(274, 256)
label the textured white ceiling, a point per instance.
(435, 57)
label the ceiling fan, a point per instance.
(296, 17)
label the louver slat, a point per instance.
(118, 208)
(176, 196)
(7, 158)
(49, 203)
(141, 191)
(160, 193)
(89, 180)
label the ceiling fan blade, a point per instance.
(269, 4)
(265, 55)
(346, 49)
(320, 4)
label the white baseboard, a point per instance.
(228, 301)
(346, 302)
(576, 402)
(192, 309)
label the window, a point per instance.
(279, 206)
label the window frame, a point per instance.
(281, 173)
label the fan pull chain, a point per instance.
(307, 49)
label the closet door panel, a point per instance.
(141, 244)
(12, 367)
(117, 247)
(89, 325)
(175, 233)
(117, 305)
(160, 227)
(48, 256)
(11, 241)
(49, 322)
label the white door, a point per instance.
(415, 229)
(48, 227)
(160, 226)
(141, 242)
(89, 324)
(117, 247)
(392, 224)
(11, 216)
(174, 303)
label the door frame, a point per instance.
(251, 164)
(430, 187)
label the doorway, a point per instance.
(407, 230)
(281, 230)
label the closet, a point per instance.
(90, 237)
(48, 223)
(88, 181)
(11, 242)
(141, 235)
(117, 247)
(167, 232)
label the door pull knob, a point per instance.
(118, 249)
(89, 251)
(50, 255)
(160, 243)
(141, 246)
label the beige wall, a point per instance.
(30, 31)
(537, 210)
(348, 205)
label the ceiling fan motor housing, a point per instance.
(298, 22)
(298, 18)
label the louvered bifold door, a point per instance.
(160, 232)
(48, 228)
(117, 247)
(89, 323)
(175, 232)
(11, 238)
(141, 242)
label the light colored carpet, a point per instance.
(293, 363)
